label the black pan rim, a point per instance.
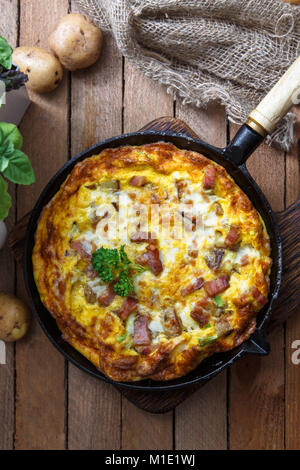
(184, 381)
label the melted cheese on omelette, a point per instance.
(204, 247)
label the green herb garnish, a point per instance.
(5, 54)
(207, 326)
(122, 337)
(218, 300)
(207, 341)
(14, 164)
(114, 265)
(124, 286)
(106, 262)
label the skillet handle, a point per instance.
(264, 118)
(289, 296)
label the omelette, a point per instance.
(151, 259)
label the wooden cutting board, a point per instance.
(289, 298)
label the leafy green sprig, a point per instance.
(14, 164)
(5, 54)
(114, 265)
(9, 73)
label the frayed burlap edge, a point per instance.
(158, 67)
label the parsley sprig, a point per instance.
(114, 265)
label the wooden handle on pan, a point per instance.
(278, 101)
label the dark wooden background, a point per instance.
(46, 403)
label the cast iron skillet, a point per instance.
(233, 159)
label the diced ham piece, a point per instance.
(261, 299)
(138, 181)
(209, 178)
(79, 248)
(196, 284)
(108, 296)
(140, 237)
(232, 236)
(128, 306)
(245, 260)
(216, 286)
(141, 335)
(142, 259)
(154, 262)
(204, 302)
(151, 259)
(198, 314)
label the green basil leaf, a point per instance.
(4, 162)
(19, 169)
(11, 133)
(5, 199)
(7, 149)
(5, 54)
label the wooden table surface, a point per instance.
(47, 403)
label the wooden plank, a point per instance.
(95, 407)
(9, 30)
(144, 100)
(40, 405)
(257, 383)
(201, 421)
(292, 390)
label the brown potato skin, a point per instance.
(14, 318)
(76, 42)
(44, 71)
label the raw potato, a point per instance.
(43, 69)
(14, 318)
(76, 42)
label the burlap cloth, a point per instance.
(230, 51)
